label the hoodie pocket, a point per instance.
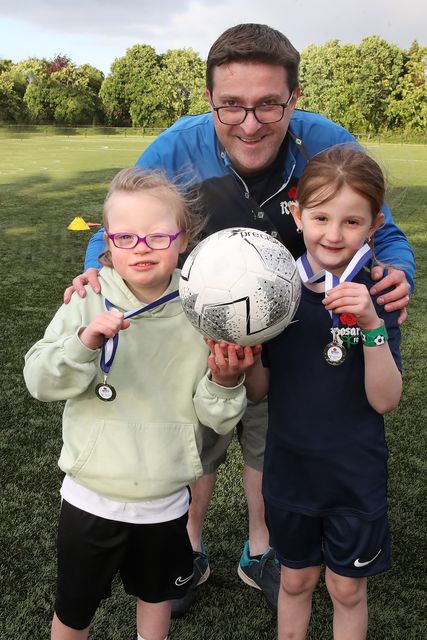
(138, 461)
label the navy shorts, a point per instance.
(155, 562)
(348, 545)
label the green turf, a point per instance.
(44, 183)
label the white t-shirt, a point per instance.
(147, 512)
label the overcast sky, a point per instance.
(98, 31)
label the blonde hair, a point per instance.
(182, 204)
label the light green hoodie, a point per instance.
(146, 443)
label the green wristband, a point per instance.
(375, 337)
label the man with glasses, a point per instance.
(244, 159)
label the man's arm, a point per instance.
(94, 249)
(391, 247)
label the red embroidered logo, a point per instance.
(292, 193)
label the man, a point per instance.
(244, 159)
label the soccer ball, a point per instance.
(240, 285)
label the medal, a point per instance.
(105, 392)
(334, 353)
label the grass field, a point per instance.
(44, 183)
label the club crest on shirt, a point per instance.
(284, 205)
(348, 332)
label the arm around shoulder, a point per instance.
(95, 247)
(392, 247)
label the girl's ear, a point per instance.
(296, 214)
(183, 242)
(377, 223)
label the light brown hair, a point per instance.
(341, 165)
(253, 43)
(182, 204)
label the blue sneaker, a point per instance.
(262, 573)
(201, 572)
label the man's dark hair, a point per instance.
(253, 43)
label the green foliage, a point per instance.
(45, 181)
(65, 94)
(329, 83)
(5, 65)
(12, 108)
(372, 87)
(130, 92)
(408, 106)
(380, 67)
(149, 90)
(181, 84)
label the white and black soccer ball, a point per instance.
(240, 285)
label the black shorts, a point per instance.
(348, 545)
(155, 562)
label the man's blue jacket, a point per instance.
(190, 154)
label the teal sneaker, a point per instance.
(201, 572)
(262, 573)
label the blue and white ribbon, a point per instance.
(360, 258)
(109, 347)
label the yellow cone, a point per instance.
(78, 224)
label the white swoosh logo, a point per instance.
(357, 562)
(180, 581)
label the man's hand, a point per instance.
(398, 297)
(90, 276)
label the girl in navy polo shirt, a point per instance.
(330, 377)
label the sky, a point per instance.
(99, 31)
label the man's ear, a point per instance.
(297, 93)
(296, 214)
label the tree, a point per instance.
(379, 72)
(65, 94)
(181, 84)
(11, 105)
(130, 93)
(58, 63)
(14, 81)
(72, 99)
(352, 84)
(5, 65)
(408, 108)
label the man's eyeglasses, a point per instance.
(264, 113)
(123, 240)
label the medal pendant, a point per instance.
(105, 392)
(334, 353)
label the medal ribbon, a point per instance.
(109, 347)
(360, 258)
